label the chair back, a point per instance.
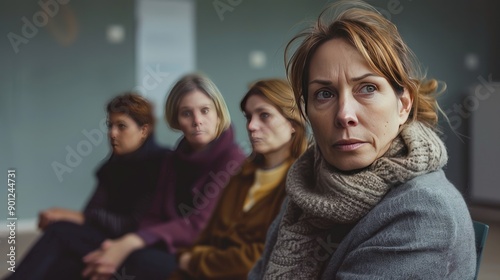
(481, 232)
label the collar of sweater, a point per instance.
(215, 149)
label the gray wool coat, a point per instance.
(420, 230)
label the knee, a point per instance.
(61, 226)
(149, 263)
(61, 229)
(137, 258)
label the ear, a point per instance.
(292, 126)
(405, 103)
(145, 131)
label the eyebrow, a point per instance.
(116, 121)
(355, 79)
(262, 108)
(191, 107)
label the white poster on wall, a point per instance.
(165, 47)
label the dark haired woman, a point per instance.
(126, 182)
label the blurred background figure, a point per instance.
(126, 183)
(191, 181)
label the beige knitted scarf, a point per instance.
(321, 196)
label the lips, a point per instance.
(348, 144)
(255, 139)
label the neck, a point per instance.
(276, 158)
(195, 148)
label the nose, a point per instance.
(346, 113)
(252, 124)
(113, 132)
(197, 120)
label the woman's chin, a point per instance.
(349, 164)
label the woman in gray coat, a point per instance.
(369, 200)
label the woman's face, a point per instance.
(354, 112)
(125, 135)
(269, 131)
(198, 119)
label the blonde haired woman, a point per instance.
(234, 238)
(370, 199)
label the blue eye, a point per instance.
(264, 115)
(368, 89)
(321, 95)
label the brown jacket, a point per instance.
(234, 240)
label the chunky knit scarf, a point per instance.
(322, 197)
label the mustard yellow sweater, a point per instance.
(234, 239)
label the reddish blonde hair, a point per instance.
(378, 41)
(280, 95)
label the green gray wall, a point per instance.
(50, 93)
